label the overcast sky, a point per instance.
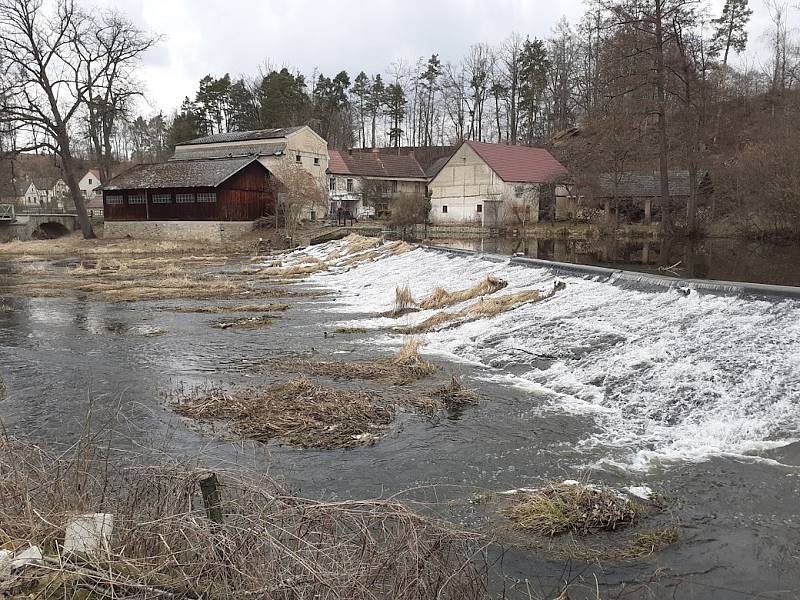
(236, 36)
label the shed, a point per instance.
(207, 189)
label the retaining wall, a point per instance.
(212, 231)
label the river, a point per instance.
(696, 396)
(726, 259)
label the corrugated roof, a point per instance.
(195, 152)
(180, 173)
(243, 136)
(519, 164)
(373, 164)
(643, 184)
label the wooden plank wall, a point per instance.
(246, 196)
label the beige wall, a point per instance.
(212, 231)
(473, 193)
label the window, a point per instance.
(394, 187)
(417, 187)
(207, 197)
(316, 161)
(184, 198)
(298, 159)
(518, 191)
(444, 208)
(90, 181)
(162, 198)
(349, 185)
(480, 208)
(333, 184)
(137, 199)
(115, 199)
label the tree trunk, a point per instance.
(72, 183)
(663, 147)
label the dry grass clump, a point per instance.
(454, 395)
(299, 413)
(245, 323)
(561, 507)
(485, 307)
(404, 302)
(350, 330)
(240, 308)
(404, 367)
(441, 298)
(270, 545)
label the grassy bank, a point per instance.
(167, 544)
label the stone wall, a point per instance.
(212, 231)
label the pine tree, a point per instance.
(396, 110)
(360, 92)
(375, 102)
(731, 29)
(533, 68)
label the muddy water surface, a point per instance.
(626, 388)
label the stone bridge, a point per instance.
(29, 226)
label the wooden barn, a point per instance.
(209, 189)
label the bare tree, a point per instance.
(54, 61)
(299, 195)
(119, 45)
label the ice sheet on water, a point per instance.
(667, 376)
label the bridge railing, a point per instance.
(7, 212)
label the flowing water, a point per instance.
(695, 395)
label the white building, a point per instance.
(89, 184)
(495, 185)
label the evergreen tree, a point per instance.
(731, 29)
(534, 66)
(396, 111)
(283, 99)
(375, 102)
(360, 93)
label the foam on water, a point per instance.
(665, 376)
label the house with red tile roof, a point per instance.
(496, 185)
(370, 183)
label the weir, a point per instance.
(633, 279)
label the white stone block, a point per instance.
(89, 534)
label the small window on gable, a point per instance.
(114, 199)
(444, 208)
(90, 181)
(162, 198)
(480, 208)
(207, 197)
(298, 159)
(316, 161)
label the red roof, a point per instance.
(519, 164)
(373, 164)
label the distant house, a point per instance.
(53, 192)
(94, 206)
(89, 183)
(209, 190)
(369, 183)
(496, 185)
(275, 148)
(25, 194)
(636, 194)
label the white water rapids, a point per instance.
(665, 376)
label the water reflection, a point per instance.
(718, 258)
